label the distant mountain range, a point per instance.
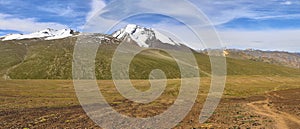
(140, 36)
(48, 54)
(272, 57)
(47, 34)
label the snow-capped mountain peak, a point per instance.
(143, 36)
(47, 34)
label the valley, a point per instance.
(247, 102)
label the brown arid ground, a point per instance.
(248, 102)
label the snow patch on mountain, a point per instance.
(164, 38)
(142, 35)
(47, 34)
(59, 34)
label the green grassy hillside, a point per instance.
(39, 59)
(11, 54)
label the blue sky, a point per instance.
(267, 25)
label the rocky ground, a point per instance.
(278, 109)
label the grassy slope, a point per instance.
(11, 54)
(52, 60)
(46, 60)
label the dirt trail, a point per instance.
(282, 119)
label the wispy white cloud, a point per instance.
(61, 11)
(117, 10)
(286, 3)
(218, 11)
(96, 6)
(221, 12)
(26, 25)
(286, 16)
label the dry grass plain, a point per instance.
(247, 102)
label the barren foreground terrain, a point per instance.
(248, 102)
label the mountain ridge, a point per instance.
(152, 39)
(52, 59)
(46, 34)
(143, 36)
(273, 57)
